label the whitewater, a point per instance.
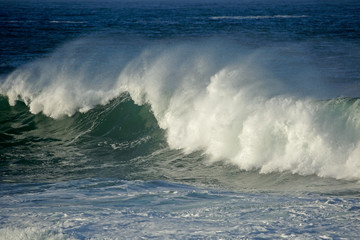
(183, 120)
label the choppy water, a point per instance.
(179, 120)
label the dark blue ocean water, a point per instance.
(178, 119)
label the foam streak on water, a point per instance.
(105, 208)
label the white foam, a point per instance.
(31, 233)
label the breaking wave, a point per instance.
(238, 105)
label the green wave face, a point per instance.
(122, 140)
(71, 147)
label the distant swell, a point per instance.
(243, 106)
(257, 17)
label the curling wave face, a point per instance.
(262, 109)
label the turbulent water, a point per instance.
(179, 119)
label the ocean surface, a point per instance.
(182, 119)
